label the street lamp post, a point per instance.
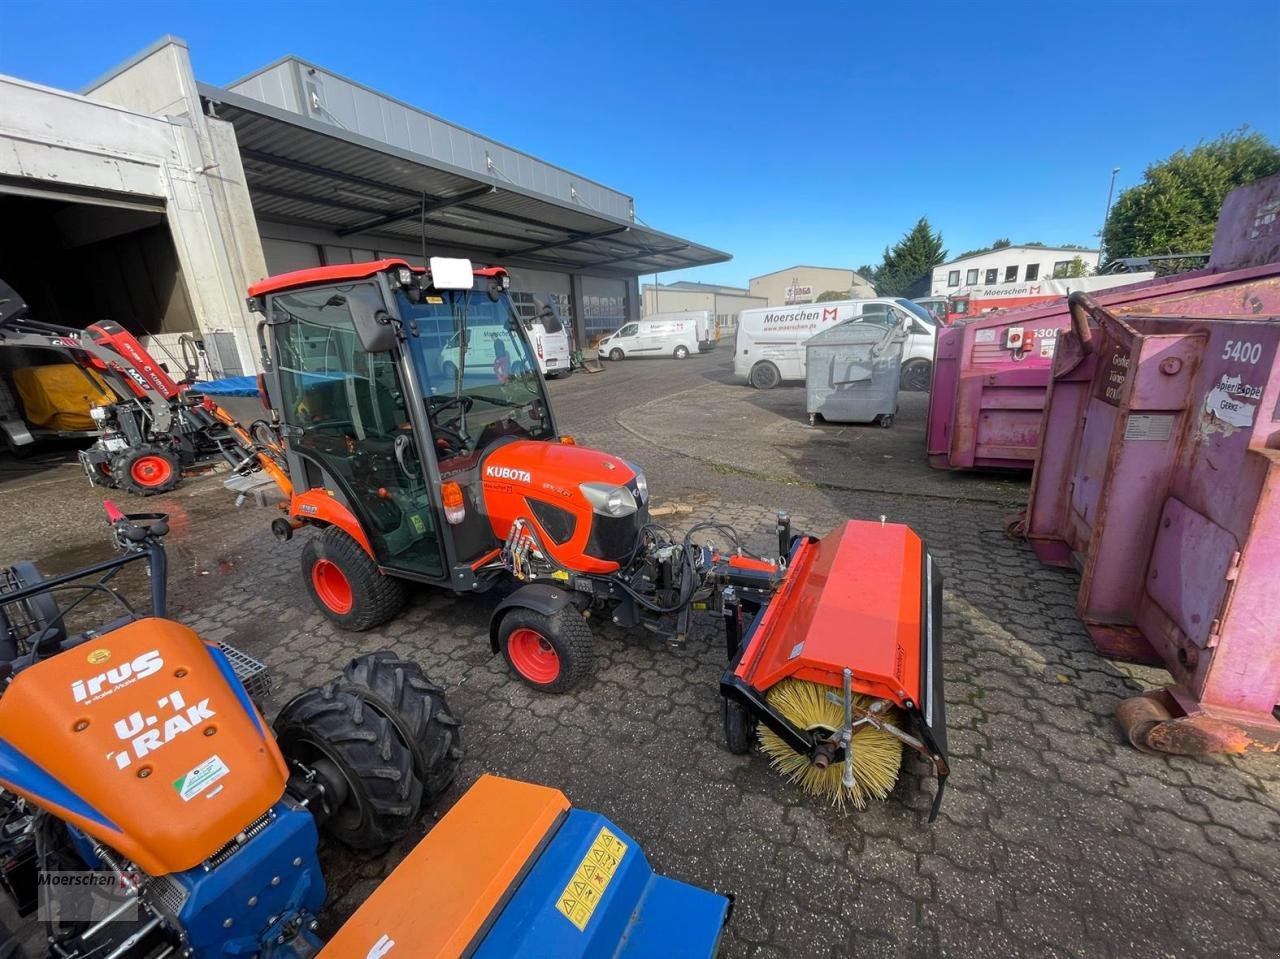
(1107, 213)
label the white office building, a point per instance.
(1010, 264)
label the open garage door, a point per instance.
(78, 259)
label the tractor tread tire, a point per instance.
(369, 753)
(567, 631)
(416, 707)
(122, 470)
(376, 597)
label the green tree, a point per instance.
(1175, 207)
(827, 296)
(909, 263)
(1075, 268)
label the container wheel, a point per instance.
(371, 795)
(1138, 716)
(397, 689)
(917, 375)
(346, 584)
(146, 470)
(681, 352)
(550, 653)
(739, 728)
(616, 354)
(764, 376)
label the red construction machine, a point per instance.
(151, 427)
(451, 470)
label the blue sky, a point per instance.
(783, 133)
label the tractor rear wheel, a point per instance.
(764, 375)
(550, 653)
(346, 584)
(146, 470)
(397, 689)
(371, 796)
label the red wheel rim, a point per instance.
(151, 470)
(332, 586)
(533, 656)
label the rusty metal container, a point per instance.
(1158, 477)
(990, 373)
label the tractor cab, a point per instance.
(391, 384)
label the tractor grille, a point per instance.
(227, 851)
(614, 537)
(252, 674)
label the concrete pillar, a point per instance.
(633, 299)
(579, 312)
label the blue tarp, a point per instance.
(231, 386)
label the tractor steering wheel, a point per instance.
(451, 425)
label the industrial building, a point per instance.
(1009, 264)
(804, 284)
(153, 199)
(724, 302)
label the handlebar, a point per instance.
(133, 530)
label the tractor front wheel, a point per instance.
(346, 584)
(550, 653)
(371, 796)
(146, 470)
(397, 689)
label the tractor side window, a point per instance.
(346, 413)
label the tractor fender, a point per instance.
(539, 597)
(319, 507)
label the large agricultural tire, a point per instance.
(346, 584)
(146, 470)
(357, 755)
(550, 653)
(417, 709)
(765, 376)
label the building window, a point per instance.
(953, 278)
(1011, 274)
(993, 276)
(971, 277)
(1033, 271)
(1060, 268)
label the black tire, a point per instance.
(681, 352)
(417, 709)
(340, 735)
(566, 634)
(885, 420)
(765, 376)
(374, 596)
(146, 470)
(916, 376)
(616, 354)
(739, 729)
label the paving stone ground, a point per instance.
(1055, 839)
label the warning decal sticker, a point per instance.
(586, 886)
(201, 778)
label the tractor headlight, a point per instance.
(609, 500)
(404, 276)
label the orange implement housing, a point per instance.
(853, 599)
(123, 728)
(468, 861)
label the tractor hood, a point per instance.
(587, 506)
(144, 739)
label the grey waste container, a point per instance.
(851, 372)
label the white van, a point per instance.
(547, 333)
(769, 345)
(663, 334)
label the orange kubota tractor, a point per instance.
(422, 447)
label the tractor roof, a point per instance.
(344, 271)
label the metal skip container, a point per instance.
(1159, 479)
(851, 373)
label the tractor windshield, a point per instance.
(479, 378)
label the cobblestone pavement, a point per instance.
(1055, 839)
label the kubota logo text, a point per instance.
(508, 473)
(126, 674)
